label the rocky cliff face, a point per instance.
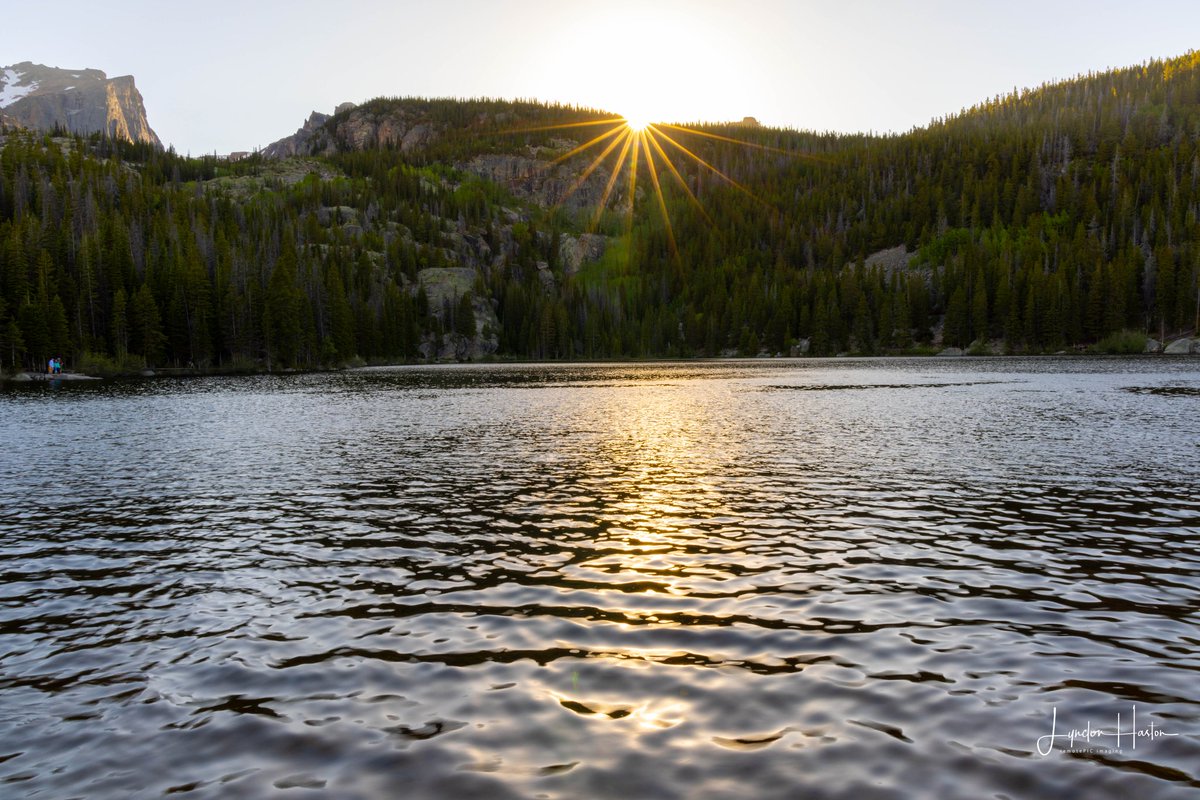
(299, 143)
(466, 257)
(532, 173)
(81, 101)
(537, 178)
(355, 128)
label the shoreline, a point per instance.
(46, 377)
(197, 372)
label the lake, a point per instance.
(769, 578)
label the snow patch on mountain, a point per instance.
(9, 91)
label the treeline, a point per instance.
(109, 252)
(1044, 220)
(1040, 221)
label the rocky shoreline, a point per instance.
(27, 377)
(1185, 346)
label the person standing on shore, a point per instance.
(50, 366)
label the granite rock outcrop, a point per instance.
(83, 101)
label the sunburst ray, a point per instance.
(633, 171)
(662, 203)
(596, 162)
(612, 179)
(634, 138)
(716, 171)
(566, 125)
(587, 145)
(720, 138)
(683, 183)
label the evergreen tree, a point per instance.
(464, 317)
(12, 347)
(341, 316)
(281, 313)
(120, 325)
(146, 327)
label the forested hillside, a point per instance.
(1048, 219)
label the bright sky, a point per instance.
(223, 75)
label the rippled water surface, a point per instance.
(855, 579)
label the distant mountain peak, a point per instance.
(79, 100)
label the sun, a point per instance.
(637, 122)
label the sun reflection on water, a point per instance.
(660, 486)
(655, 485)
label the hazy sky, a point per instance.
(219, 75)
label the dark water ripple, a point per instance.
(862, 579)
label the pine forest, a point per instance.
(1064, 218)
